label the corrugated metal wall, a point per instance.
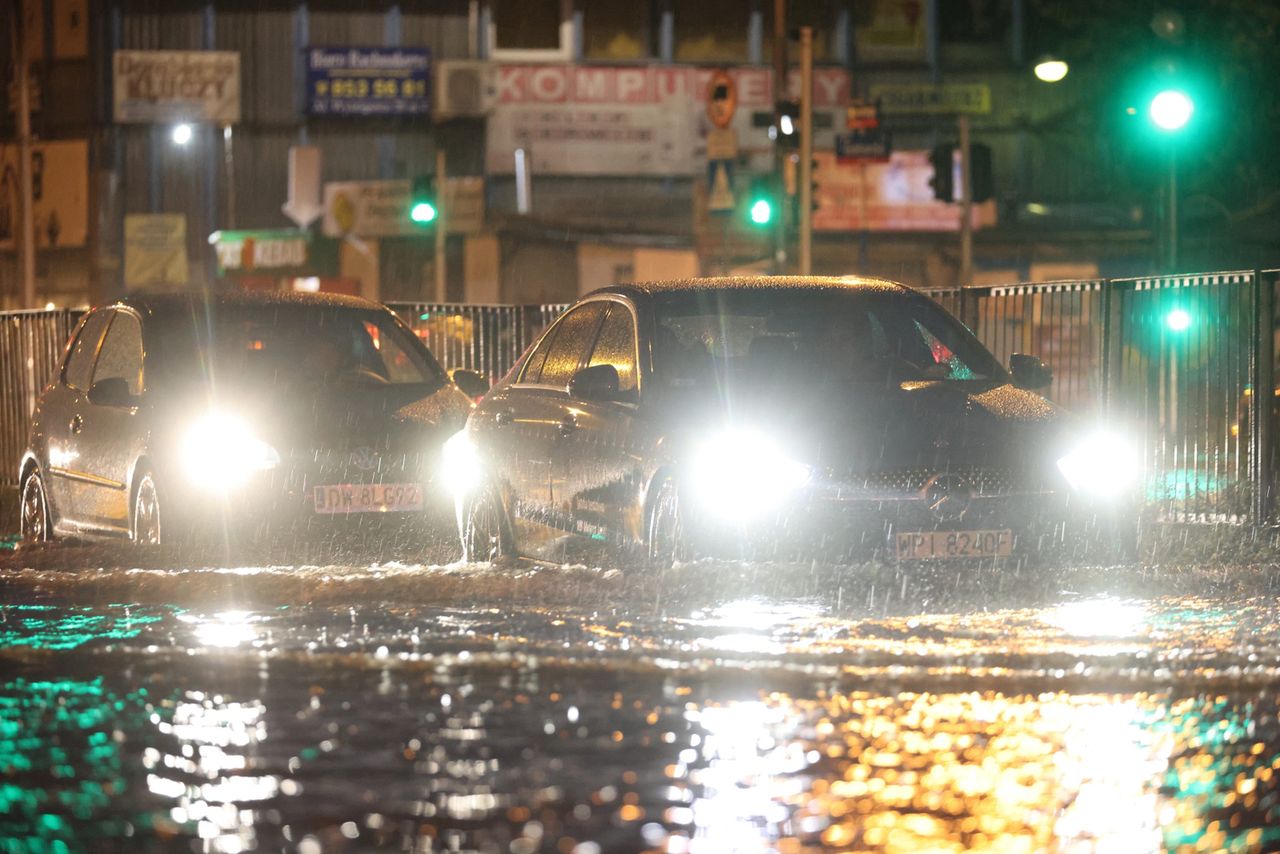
(158, 176)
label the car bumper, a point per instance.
(826, 526)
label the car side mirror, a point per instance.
(1029, 372)
(470, 383)
(598, 382)
(113, 391)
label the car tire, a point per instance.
(484, 527)
(34, 524)
(145, 528)
(665, 535)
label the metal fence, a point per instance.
(487, 339)
(31, 343)
(1185, 363)
(1175, 360)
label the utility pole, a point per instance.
(26, 188)
(779, 154)
(806, 151)
(966, 207)
(442, 223)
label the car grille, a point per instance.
(984, 482)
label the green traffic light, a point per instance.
(422, 212)
(1171, 109)
(1178, 320)
(761, 211)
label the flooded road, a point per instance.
(712, 708)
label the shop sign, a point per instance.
(924, 99)
(162, 86)
(155, 250)
(277, 253)
(353, 81)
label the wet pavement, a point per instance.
(717, 707)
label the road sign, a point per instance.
(720, 185)
(303, 205)
(722, 99)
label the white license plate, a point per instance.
(923, 545)
(367, 497)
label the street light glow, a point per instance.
(1178, 320)
(1171, 110)
(423, 212)
(181, 134)
(1051, 70)
(761, 212)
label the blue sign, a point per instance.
(376, 81)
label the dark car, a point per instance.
(830, 416)
(179, 415)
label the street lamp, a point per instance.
(1050, 70)
(181, 134)
(1170, 111)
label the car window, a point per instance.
(121, 353)
(616, 345)
(79, 368)
(294, 346)
(812, 337)
(565, 347)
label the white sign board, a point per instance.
(368, 209)
(160, 86)
(155, 250)
(650, 120)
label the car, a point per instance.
(777, 416)
(177, 417)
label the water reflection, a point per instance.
(210, 774)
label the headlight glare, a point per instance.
(1103, 465)
(460, 467)
(220, 451)
(741, 474)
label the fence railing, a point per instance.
(31, 343)
(1186, 363)
(487, 339)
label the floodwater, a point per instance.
(714, 708)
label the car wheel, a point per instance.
(666, 531)
(34, 524)
(145, 529)
(483, 525)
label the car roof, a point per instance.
(746, 283)
(160, 303)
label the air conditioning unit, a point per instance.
(465, 88)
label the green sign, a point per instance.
(275, 253)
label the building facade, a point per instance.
(576, 137)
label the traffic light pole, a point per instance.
(966, 207)
(442, 220)
(26, 186)
(779, 154)
(1173, 208)
(806, 151)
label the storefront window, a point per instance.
(818, 14)
(712, 31)
(526, 24)
(617, 29)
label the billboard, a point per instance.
(353, 81)
(161, 86)
(633, 120)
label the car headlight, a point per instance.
(742, 473)
(460, 467)
(220, 451)
(1102, 464)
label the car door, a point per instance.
(598, 461)
(61, 419)
(517, 427)
(112, 434)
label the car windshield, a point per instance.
(807, 337)
(293, 347)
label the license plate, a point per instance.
(922, 545)
(367, 497)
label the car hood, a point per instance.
(931, 425)
(384, 419)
